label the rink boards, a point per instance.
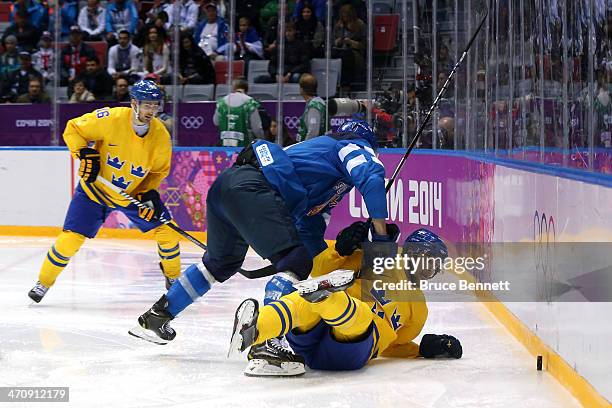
(463, 197)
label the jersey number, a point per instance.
(102, 113)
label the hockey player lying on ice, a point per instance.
(331, 323)
(277, 202)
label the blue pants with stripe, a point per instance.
(321, 351)
(85, 216)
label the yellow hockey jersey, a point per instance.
(398, 323)
(135, 164)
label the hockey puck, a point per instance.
(539, 363)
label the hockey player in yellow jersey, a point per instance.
(131, 148)
(335, 323)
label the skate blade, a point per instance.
(331, 280)
(243, 315)
(261, 368)
(147, 335)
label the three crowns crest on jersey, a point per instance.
(114, 162)
(121, 182)
(138, 171)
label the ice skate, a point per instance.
(38, 292)
(154, 324)
(317, 289)
(245, 327)
(274, 358)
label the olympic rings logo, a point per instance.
(192, 122)
(544, 238)
(292, 122)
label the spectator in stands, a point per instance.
(272, 131)
(43, 59)
(156, 55)
(247, 43)
(35, 94)
(311, 32)
(296, 61)
(153, 13)
(125, 59)
(9, 60)
(92, 21)
(74, 56)
(195, 66)
(445, 62)
(249, 8)
(189, 15)
(120, 15)
(211, 34)
(96, 79)
(80, 93)
(270, 10)
(161, 22)
(27, 35)
(237, 116)
(270, 34)
(312, 121)
(122, 90)
(38, 14)
(69, 14)
(349, 45)
(17, 81)
(319, 7)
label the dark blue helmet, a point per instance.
(361, 129)
(146, 90)
(426, 244)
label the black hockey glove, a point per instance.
(351, 237)
(393, 233)
(433, 345)
(90, 164)
(155, 207)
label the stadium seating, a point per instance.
(264, 92)
(257, 68)
(222, 69)
(292, 92)
(385, 34)
(383, 7)
(221, 90)
(317, 67)
(193, 93)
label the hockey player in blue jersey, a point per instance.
(277, 201)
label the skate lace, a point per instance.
(280, 345)
(39, 289)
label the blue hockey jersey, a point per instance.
(313, 176)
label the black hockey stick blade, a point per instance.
(258, 273)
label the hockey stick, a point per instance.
(270, 270)
(163, 220)
(254, 274)
(434, 105)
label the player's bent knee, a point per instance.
(296, 260)
(69, 242)
(279, 285)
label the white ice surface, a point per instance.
(77, 337)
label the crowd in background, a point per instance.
(138, 43)
(138, 38)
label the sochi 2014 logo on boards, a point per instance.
(192, 122)
(422, 205)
